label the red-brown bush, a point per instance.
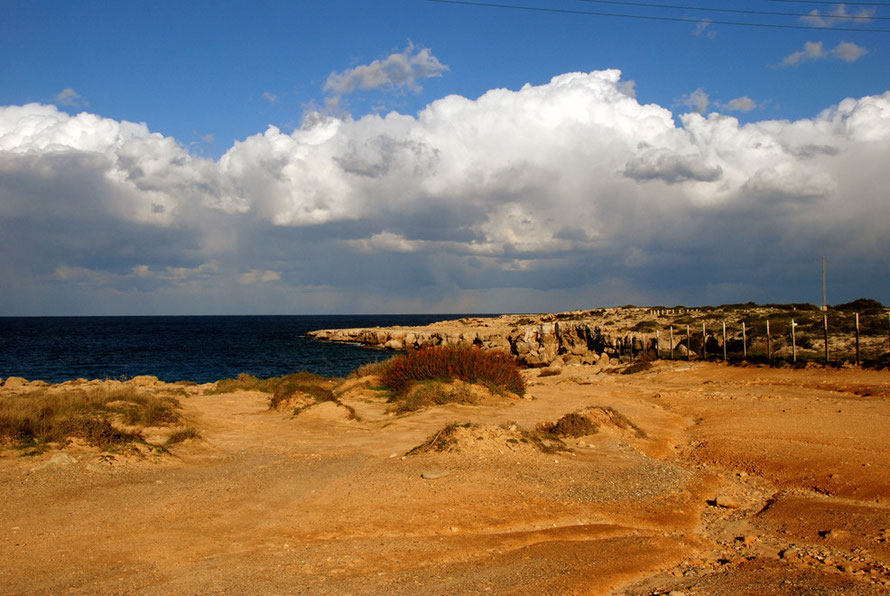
(446, 363)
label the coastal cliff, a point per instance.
(578, 337)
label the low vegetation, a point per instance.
(287, 389)
(98, 416)
(423, 394)
(493, 368)
(588, 421)
(470, 437)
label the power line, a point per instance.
(828, 2)
(652, 17)
(739, 11)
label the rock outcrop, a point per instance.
(536, 341)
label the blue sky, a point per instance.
(579, 193)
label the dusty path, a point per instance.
(268, 503)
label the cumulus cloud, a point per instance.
(698, 100)
(70, 97)
(848, 52)
(402, 71)
(514, 200)
(270, 97)
(814, 50)
(741, 104)
(837, 16)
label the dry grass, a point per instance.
(430, 393)
(447, 438)
(588, 421)
(184, 433)
(94, 415)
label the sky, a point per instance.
(416, 156)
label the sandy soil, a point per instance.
(749, 480)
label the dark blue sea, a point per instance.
(186, 348)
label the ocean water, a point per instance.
(193, 348)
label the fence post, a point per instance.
(704, 342)
(769, 351)
(744, 342)
(672, 342)
(793, 341)
(657, 344)
(689, 352)
(857, 339)
(724, 341)
(825, 325)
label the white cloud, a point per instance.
(698, 100)
(838, 16)
(848, 52)
(703, 28)
(401, 71)
(511, 196)
(812, 50)
(741, 104)
(270, 97)
(257, 276)
(70, 97)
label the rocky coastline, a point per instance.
(577, 337)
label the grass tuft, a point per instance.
(183, 434)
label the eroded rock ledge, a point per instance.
(578, 337)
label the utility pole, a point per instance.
(824, 293)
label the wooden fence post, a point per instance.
(793, 341)
(689, 352)
(857, 339)
(672, 342)
(825, 325)
(724, 341)
(769, 351)
(657, 344)
(704, 342)
(744, 342)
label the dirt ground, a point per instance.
(744, 480)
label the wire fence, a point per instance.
(827, 337)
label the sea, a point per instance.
(201, 349)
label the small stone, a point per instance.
(789, 554)
(59, 460)
(727, 502)
(434, 474)
(393, 455)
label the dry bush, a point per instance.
(588, 421)
(43, 417)
(571, 425)
(446, 363)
